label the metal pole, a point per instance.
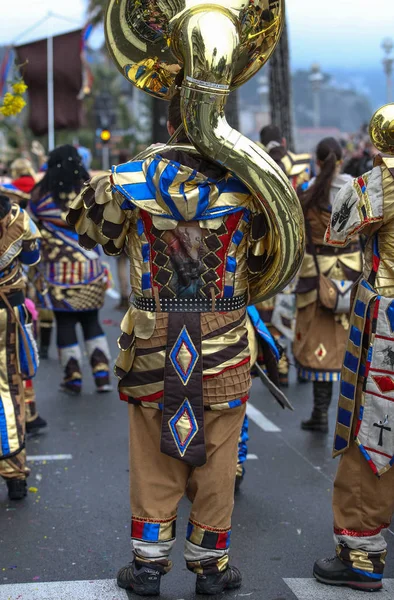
(105, 157)
(316, 107)
(51, 100)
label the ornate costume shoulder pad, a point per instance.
(358, 204)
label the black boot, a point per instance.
(322, 394)
(142, 580)
(230, 579)
(333, 571)
(44, 352)
(36, 425)
(17, 489)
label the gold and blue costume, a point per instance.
(194, 236)
(363, 501)
(19, 245)
(71, 281)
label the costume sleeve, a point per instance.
(259, 243)
(357, 208)
(98, 217)
(30, 253)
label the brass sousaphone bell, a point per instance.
(220, 45)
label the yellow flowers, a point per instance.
(14, 103)
(19, 87)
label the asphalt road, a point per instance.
(74, 525)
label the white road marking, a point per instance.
(39, 457)
(64, 590)
(252, 457)
(261, 420)
(310, 589)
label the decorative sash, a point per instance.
(182, 434)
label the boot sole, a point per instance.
(217, 590)
(318, 429)
(354, 585)
(137, 590)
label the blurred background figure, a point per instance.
(75, 277)
(18, 361)
(323, 289)
(278, 313)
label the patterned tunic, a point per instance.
(188, 236)
(366, 407)
(74, 277)
(18, 245)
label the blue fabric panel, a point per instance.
(228, 291)
(359, 308)
(234, 403)
(261, 328)
(203, 200)
(344, 417)
(145, 281)
(237, 237)
(355, 336)
(129, 167)
(29, 258)
(340, 443)
(351, 362)
(140, 227)
(145, 252)
(150, 532)
(189, 530)
(231, 264)
(136, 191)
(347, 389)
(5, 446)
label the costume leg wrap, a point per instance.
(71, 361)
(15, 467)
(370, 564)
(363, 506)
(206, 549)
(152, 541)
(99, 357)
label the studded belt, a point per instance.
(200, 305)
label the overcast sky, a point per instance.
(336, 33)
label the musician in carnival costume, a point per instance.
(19, 245)
(363, 501)
(18, 191)
(279, 313)
(324, 287)
(199, 242)
(70, 281)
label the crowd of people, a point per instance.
(190, 333)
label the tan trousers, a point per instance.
(363, 504)
(158, 483)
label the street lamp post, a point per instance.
(388, 63)
(316, 79)
(263, 90)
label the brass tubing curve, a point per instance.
(208, 63)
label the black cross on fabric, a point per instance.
(382, 425)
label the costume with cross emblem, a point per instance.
(363, 501)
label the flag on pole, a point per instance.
(68, 79)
